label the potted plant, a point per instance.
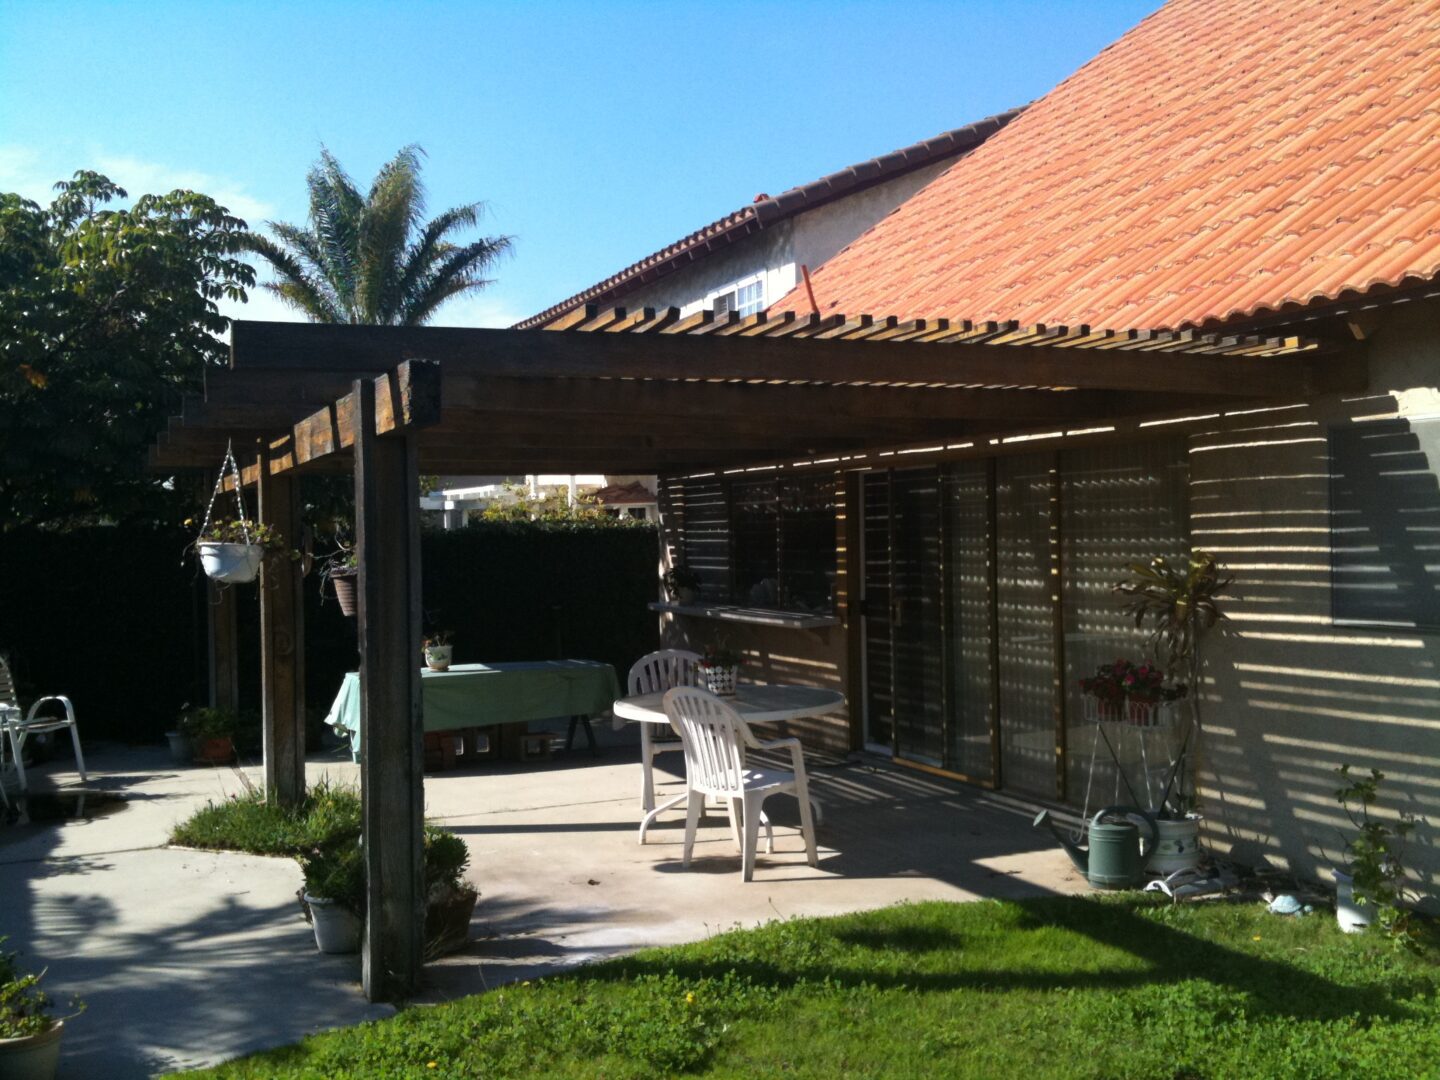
(29, 1033)
(449, 899)
(334, 894)
(231, 549)
(720, 665)
(438, 651)
(211, 734)
(1372, 885)
(342, 571)
(1181, 603)
(682, 583)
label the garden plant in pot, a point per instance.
(439, 650)
(231, 549)
(449, 900)
(1371, 888)
(682, 583)
(342, 572)
(334, 894)
(29, 1031)
(211, 734)
(720, 667)
(1180, 602)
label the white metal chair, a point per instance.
(715, 738)
(652, 674)
(17, 730)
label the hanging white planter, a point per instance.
(233, 564)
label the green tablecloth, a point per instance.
(482, 695)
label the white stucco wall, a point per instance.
(1292, 695)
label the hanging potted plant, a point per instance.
(1180, 602)
(438, 651)
(720, 666)
(342, 571)
(231, 549)
(29, 1033)
(334, 894)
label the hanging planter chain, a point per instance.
(228, 463)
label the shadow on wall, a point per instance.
(1295, 692)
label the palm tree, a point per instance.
(374, 259)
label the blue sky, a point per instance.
(596, 132)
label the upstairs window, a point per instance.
(746, 299)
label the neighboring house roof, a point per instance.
(1223, 160)
(766, 211)
(631, 494)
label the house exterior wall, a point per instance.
(1291, 695)
(777, 253)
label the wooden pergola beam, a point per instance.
(259, 346)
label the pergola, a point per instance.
(618, 391)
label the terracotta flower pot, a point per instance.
(216, 751)
(345, 587)
(33, 1057)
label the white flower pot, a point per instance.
(234, 564)
(1351, 916)
(1178, 847)
(721, 680)
(181, 751)
(34, 1057)
(337, 929)
(437, 657)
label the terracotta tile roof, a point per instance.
(1222, 160)
(766, 211)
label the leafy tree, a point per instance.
(106, 317)
(373, 259)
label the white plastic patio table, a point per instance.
(757, 704)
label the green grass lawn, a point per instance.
(1112, 987)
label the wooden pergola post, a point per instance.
(221, 646)
(387, 520)
(282, 643)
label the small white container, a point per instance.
(437, 657)
(337, 929)
(233, 564)
(1351, 916)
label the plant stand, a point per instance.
(1141, 741)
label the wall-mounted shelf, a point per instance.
(791, 620)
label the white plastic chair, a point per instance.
(652, 674)
(18, 730)
(715, 738)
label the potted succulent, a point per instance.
(211, 734)
(720, 667)
(231, 549)
(449, 899)
(29, 1032)
(334, 894)
(438, 651)
(682, 583)
(342, 571)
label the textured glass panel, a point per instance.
(807, 542)
(1025, 580)
(755, 535)
(1119, 505)
(919, 660)
(705, 543)
(968, 629)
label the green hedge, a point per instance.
(115, 617)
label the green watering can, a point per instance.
(1113, 860)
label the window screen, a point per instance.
(1385, 523)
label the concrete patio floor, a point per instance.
(187, 958)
